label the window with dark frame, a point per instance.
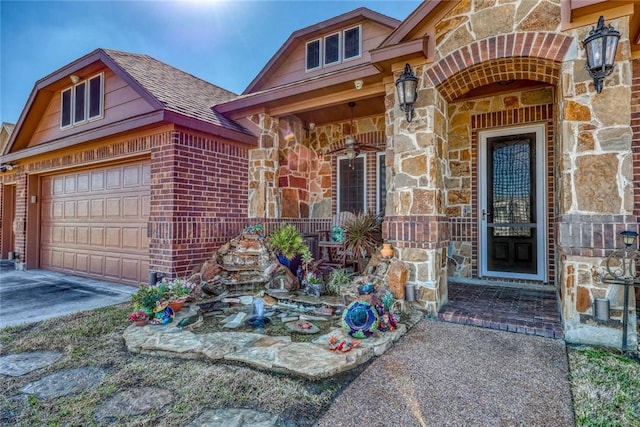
(332, 49)
(352, 43)
(351, 184)
(381, 190)
(313, 55)
(84, 101)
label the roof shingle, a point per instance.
(177, 90)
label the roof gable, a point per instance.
(165, 89)
(300, 37)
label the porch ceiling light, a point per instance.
(600, 46)
(629, 237)
(6, 167)
(407, 85)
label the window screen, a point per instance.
(382, 185)
(79, 103)
(65, 113)
(313, 54)
(332, 49)
(352, 43)
(95, 97)
(351, 183)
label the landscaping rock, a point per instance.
(235, 418)
(66, 382)
(16, 365)
(132, 402)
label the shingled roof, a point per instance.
(177, 90)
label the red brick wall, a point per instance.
(199, 193)
(532, 56)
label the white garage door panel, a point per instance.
(94, 223)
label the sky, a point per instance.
(225, 42)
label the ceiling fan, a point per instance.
(351, 147)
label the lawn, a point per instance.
(604, 384)
(605, 387)
(94, 338)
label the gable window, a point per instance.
(334, 48)
(313, 55)
(352, 45)
(82, 102)
(351, 184)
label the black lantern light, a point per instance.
(600, 46)
(407, 85)
(629, 237)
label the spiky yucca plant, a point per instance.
(363, 234)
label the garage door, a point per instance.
(94, 222)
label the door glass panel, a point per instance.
(512, 187)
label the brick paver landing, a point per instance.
(526, 311)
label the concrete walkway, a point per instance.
(443, 374)
(35, 295)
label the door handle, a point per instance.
(485, 215)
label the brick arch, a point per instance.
(533, 56)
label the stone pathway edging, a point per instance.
(312, 360)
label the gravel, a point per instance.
(443, 374)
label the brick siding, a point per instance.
(532, 56)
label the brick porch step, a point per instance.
(524, 311)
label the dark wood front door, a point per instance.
(511, 227)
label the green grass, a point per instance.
(604, 384)
(605, 387)
(94, 338)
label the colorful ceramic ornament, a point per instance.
(360, 319)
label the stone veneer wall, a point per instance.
(596, 197)
(293, 166)
(415, 218)
(199, 197)
(466, 119)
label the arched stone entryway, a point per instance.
(440, 209)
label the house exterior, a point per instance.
(121, 167)
(512, 169)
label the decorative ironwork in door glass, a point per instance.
(512, 187)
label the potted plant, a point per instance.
(289, 246)
(176, 292)
(338, 278)
(139, 318)
(363, 236)
(146, 297)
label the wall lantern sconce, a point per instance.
(629, 237)
(407, 85)
(600, 46)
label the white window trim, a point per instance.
(359, 55)
(87, 102)
(71, 99)
(306, 55)
(101, 115)
(379, 160)
(324, 53)
(541, 200)
(364, 181)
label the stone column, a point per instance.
(263, 166)
(415, 217)
(595, 201)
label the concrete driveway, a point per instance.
(34, 295)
